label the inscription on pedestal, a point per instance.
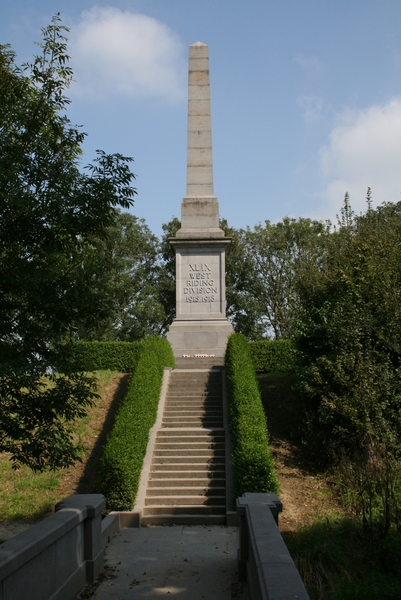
(200, 285)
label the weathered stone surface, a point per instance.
(199, 165)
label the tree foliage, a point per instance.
(349, 342)
(49, 209)
(243, 309)
(261, 271)
(166, 281)
(124, 266)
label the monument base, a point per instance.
(199, 337)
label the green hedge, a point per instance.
(116, 356)
(126, 446)
(273, 355)
(253, 469)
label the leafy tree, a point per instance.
(167, 279)
(349, 342)
(49, 209)
(124, 266)
(243, 308)
(261, 272)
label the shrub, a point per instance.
(252, 460)
(273, 355)
(349, 355)
(126, 445)
(97, 356)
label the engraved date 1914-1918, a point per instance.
(200, 299)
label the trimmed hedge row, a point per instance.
(253, 469)
(116, 356)
(273, 355)
(126, 446)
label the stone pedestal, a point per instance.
(201, 326)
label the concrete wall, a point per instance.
(54, 559)
(263, 558)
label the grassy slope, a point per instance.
(24, 494)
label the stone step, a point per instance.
(202, 391)
(196, 433)
(180, 444)
(185, 400)
(177, 500)
(196, 362)
(203, 419)
(195, 374)
(186, 422)
(195, 412)
(210, 431)
(175, 472)
(198, 483)
(163, 491)
(181, 383)
(187, 474)
(180, 477)
(191, 392)
(195, 387)
(184, 385)
(200, 377)
(193, 402)
(171, 434)
(184, 408)
(179, 437)
(180, 411)
(187, 460)
(192, 397)
(189, 509)
(206, 454)
(202, 454)
(200, 380)
(191, 423)
(193, 408)
(174, 519)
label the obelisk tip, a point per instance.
(199, 44)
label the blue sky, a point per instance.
(306, 97)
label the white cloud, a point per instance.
(363, 151)
(128, 54)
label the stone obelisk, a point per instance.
(201, 326)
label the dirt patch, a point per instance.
(305, 494)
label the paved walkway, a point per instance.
(189, 562)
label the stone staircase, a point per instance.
(187, 480)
